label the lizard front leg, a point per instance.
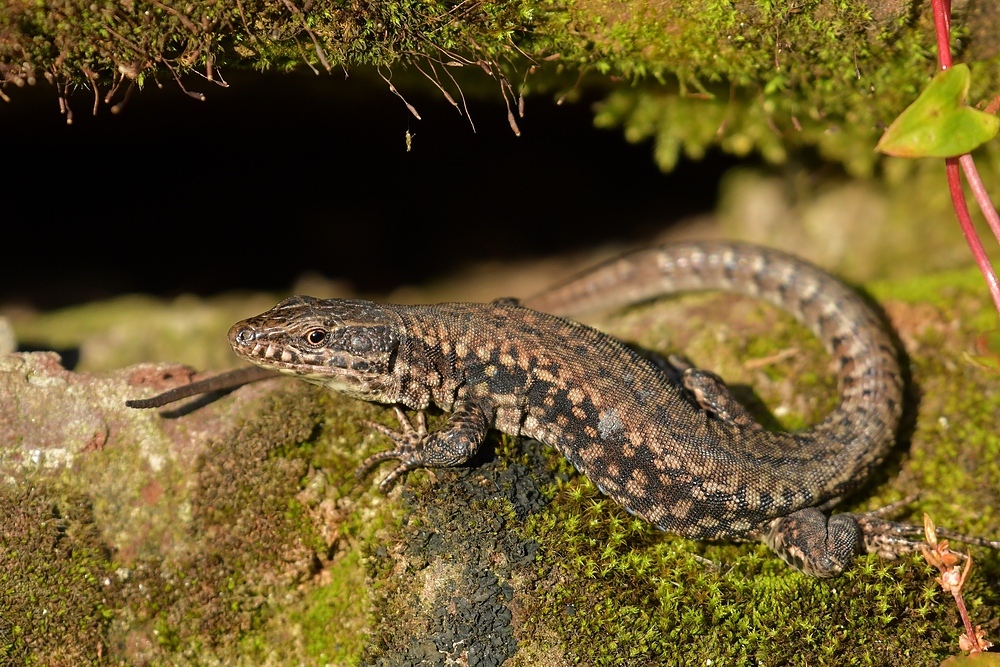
(416, 448)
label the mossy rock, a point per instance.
(235, 532)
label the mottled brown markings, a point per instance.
(681, 508)
(544, 375)
(637, 484)
(616, 416)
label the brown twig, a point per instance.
(196, 95)
(393, 90)
(462, 95)
(437, 83)
(117, 108)
(64, 104)
(562, 98)
(319, 49)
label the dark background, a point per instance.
(285, 173)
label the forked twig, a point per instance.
(437, 83)
(190, 93)
(319, 49)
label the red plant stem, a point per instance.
(942, 27)
(979, 191)
(965, 221)
(969, 630)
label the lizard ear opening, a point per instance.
(390, 363)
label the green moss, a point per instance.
(940, 289)
(334, 615)
(654, 599)
(768, 78)
(281, 561)
(612, 588)
(765, 77)
(251, 540)
(57, 593)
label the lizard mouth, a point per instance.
(339, 371)
(260, 347)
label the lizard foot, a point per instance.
(824, 546)
(712, 394)
(814, 543)
(416, 448)
(409, 441)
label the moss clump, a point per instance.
(955, 440)
(747, 76)
(56, 597)
(611, 588)
(645, 597)
(255, 542)
(772, 78)
(333, 614)
(279, 526)
(73, 42)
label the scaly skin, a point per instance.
(670, 445)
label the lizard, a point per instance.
(671, 445)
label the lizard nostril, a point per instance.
(244, 336)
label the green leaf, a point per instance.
(938, 123)
(973, 660)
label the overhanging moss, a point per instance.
(760, 76)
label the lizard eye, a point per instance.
(316, 337)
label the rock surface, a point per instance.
(233, 531)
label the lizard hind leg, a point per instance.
(824, 546)
(712, 394)
(814, 543)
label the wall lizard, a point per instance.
(670, 445)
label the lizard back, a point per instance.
(755, 474)
(649, 442)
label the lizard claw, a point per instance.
(409, 441)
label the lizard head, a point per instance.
(347, 345)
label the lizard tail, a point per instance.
(863, 426)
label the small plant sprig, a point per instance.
(952, 579)
(938, 124)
